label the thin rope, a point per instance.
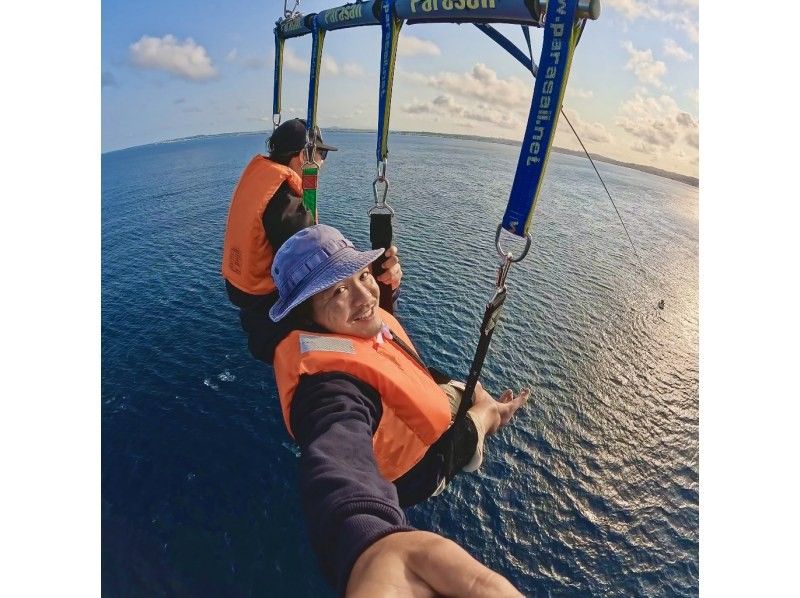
(625, 228)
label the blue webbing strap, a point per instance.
(560, 31)
(527, 33)
(276, 89)
(380, 217)
(317, 39)
(390, 31)
(507, 45)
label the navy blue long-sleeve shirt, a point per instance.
(347, 503)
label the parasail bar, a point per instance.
(294, 27)
(355, 14)
(523, 12)
(361, 13)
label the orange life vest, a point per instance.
(416, 411)
(247, 255)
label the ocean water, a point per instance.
(593, 488)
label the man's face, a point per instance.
(349, 307)
(295, 217)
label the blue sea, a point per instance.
(591, 491)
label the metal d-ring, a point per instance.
(507, 254)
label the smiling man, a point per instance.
(376, 427)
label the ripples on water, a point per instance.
(592, 490)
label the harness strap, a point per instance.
(380, 220)
(409, 351)
(490, 319)
(560, 36)
(310, 166)
(317, 40)
(390, 33)
(561, 32)
(380, 235)
(278, 82)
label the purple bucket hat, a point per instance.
(311, 261)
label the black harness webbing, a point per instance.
(380, 234)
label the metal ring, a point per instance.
(507, 254)
(381, 209)
(276, 120)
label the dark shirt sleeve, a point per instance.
(347, 503)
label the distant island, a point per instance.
(689, 180)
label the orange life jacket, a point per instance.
(416, 411)
(247, 255)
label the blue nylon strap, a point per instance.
(317, 39)
(276, 89)
(506, 44)
(390, 28)
(527, 33)
(548, 93)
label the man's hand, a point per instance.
(423, 565)
(392, 273)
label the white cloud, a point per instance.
(688, 25)
(588, 131)
(481, 83)
(671, 48)
(659, 127)
(330, 66)
(446, 105)
(694, 95)
(293, 62)
(681, 14)
(408, 45)
(257, 63)
(187, 60)
(634, 9)
(576, 93)
(644, 66)
(352, 69)
(231, 57)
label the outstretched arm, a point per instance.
(357, 528)
(348, 504)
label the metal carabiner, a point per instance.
(507, 254)
(380, 207)
(311, 153)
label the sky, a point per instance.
(173, 68)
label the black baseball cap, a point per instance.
(290, 138)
